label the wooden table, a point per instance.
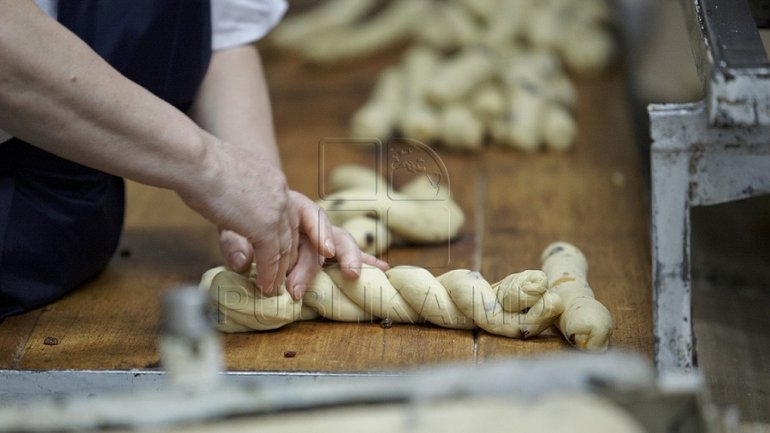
(515, 203)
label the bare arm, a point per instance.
(59, 95)
(233, 102)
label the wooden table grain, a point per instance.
(516, 204)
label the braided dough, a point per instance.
(519, 306)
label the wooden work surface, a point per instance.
(515, 204)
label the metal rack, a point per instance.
(704, 153)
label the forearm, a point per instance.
(59, 95)
(233, 102)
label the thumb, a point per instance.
(236, 250)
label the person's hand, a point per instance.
(318, 241)
(239, 251)
(349, 257)
(244, 194)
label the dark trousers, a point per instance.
(59, 224)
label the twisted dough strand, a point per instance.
(586, 323)
(518, 306)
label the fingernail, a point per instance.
(297, 292)
(329, 245)
(356, 270)
(238, 260)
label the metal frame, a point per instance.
(151, 400)
(713, 151)
(25, 385)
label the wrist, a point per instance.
(200, 167)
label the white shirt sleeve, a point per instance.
(239, 22)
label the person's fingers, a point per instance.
(303, 272)
(348, 254)
(286, 245)
(374, 261)
(314, 222)
(271, 256)
(267, 257)
(236, 250)
(294, 223)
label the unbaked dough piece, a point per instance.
(448, 27)
(417, 119)
(377, 117)
(586, 323)
(482, 10)
(419, 287)
(395, 23)
(247, 308)
(370, 234)
(523, 124)
(477, 299)
(459, 299)
(460, 75)
(421, 212)
(587, 50)
(552, 413)
(460, 128)
(489, 102)
(296, 30)
(508, 23)
(559, 127)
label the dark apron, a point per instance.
(60, 222)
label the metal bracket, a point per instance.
(704, 153)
